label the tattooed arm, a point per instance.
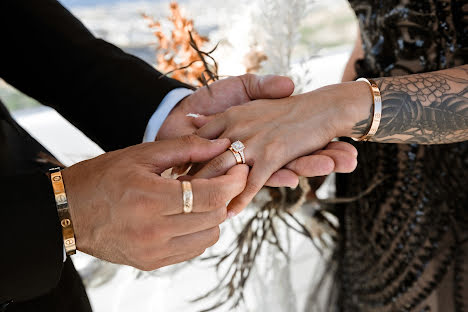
(429, 108)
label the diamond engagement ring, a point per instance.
(237, 148)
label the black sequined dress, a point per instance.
(405, 245)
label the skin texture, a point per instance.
(124, 212)
(277, 133)
(429, 108)
(220, 96)
(235, 91)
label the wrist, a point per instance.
(69, 180)
(162, 121)
(355, 105)
(176, 120)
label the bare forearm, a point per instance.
(429, 108)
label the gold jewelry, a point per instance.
(61, 202)
(187, 196)
(237, 148)
(377, 108)
(237, 156)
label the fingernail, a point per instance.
(231, 214)
(193, 115)
(293, 187)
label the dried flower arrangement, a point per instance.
(277, 41)
(180, 54)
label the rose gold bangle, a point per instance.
(377, 105)
(61, 202)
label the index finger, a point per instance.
(217, 166)
(210, 194)
(258, 176)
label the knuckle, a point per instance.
(189, 140)
(295, 166)
(144, 235)
(140, 208)
(214, 236)
(273, 148)
(142, 267)
(247, 80)
(227, 191)
(251, 188)
(221, 215)
(247, 76)
(303, 165)
(228, 114)
(215, 199)
(238, 185)
(231, 112)
(217, 165)
(146, 266)
(144, 256)
(132, 234)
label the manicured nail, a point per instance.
(293, 187)
(193, 115)
(231, 214)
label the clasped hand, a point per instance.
(125, 212)
(283, 139)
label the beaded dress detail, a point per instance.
(404, 246)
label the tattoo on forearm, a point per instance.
(430, 108)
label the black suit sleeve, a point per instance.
(49, 55)
(31, 244)
(30, 237)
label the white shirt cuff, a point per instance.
(160, 115)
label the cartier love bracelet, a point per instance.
(377, 110)
(63, 211)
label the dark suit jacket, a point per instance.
(48, 54)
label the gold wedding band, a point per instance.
(237, 149)
(187, 196)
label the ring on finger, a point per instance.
(237, 149)
(187, 196)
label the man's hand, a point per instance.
(124, 212)
(220, 96)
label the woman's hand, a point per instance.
(279, 133)
(220, 96)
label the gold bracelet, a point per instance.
(63, 211)
(377, 105)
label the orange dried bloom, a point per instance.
(179, 54)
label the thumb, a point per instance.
(187, 149)
(267, 87)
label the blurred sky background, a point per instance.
(329, 28)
